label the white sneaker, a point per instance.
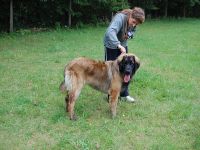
(130, 99)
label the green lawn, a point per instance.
(166, 114)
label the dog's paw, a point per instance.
(73, 118)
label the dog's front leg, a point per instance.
(113, 100)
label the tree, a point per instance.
(166, 8)
(117, 5)
(11, 16)
(70, 13)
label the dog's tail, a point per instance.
(63, 87)
(66, 85)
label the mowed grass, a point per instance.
(166, 114)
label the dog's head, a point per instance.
(128, 64)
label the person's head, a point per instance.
(136, 16)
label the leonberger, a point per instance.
(105, 76)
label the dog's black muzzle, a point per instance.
(128, 70)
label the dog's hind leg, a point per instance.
(66, 102)
(72, 97)
(70, 105)
(108, 98)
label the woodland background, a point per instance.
(20, 14)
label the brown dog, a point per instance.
(103, 76)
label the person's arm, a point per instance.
(112, 32)
(121, 48)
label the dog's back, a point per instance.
(83, 70)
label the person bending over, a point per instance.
(122, 27)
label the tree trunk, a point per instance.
(11, 15)
(70, 13)
(166, 8)
(184, 11)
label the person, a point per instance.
(122, 27)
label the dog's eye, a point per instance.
(126, 62)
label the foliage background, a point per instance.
(54, 13)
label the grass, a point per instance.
(166, 87)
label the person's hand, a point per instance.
(122, 49)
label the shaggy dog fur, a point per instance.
(106, 77)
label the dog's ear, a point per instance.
(120, 58)
(120, 63)
(136, 62)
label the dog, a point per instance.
(105, 76)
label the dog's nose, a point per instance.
(127, 72)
